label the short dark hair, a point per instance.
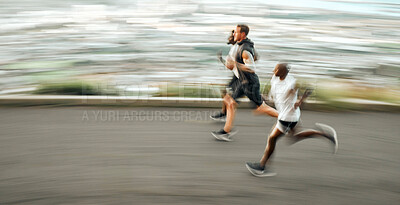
(244, 28)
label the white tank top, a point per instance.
(284, 95)
(232, 54)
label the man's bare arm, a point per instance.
(305, 95)
(249, 64)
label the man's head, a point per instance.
(281, 70)
(241, 32)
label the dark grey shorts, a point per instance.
(251, 89)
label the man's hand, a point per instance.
(228, 63)
(308, 92)
(297, 104)
(305, 95)
(219, 55)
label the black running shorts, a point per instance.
(251, 89)
(285, 126)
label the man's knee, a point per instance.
(226, 99)
(272, 137)
(276, 133)
(232, 105)
(230, 102)
(260, 107)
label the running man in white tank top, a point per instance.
(284, 95)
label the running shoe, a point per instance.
(259, 171)
(219, 117)
(224, 136)
(330, 133)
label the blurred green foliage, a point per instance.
(74, 88)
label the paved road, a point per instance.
(97, 155)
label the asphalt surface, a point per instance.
(107, 155)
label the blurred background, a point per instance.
(350, 49)
(56, 51)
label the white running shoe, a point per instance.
(330, 133)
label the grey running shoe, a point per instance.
(224, 136)
(259, 171)
(330, 133)
(219, 117)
